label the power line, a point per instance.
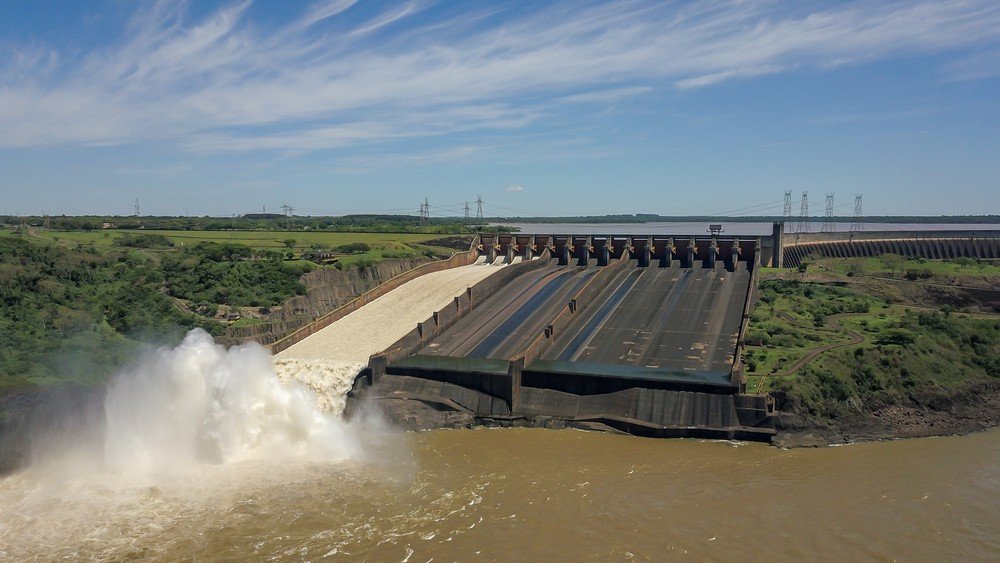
(751, 209)
(757, 211)
(507, 208)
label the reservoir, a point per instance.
(732, 228)
(528, 494)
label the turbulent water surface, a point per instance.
(205, 454)
(520, 494)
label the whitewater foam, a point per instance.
(185, 432)
(201, 403)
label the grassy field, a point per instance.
(892, 265)
(383, 245)
(255, 239)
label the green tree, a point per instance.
(892, 262)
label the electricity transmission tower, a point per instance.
(466, 210)
(828, 215)
(858, 223)
(425, 211)
(803, 226)
(288, 211)
(137, 220)
(479, 207)
(787, 212)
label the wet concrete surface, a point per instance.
(671, 318)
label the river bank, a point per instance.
(858, 350)
(973, 408)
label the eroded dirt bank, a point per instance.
(943, 412)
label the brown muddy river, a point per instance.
(519, 494)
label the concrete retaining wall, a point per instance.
(736, 373)
(933, 245)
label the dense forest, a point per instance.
(76, 313)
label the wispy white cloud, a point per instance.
(515, 188)
(323, 10)
(608, 95)
(716, 77)
(226, 82)
(386, 18)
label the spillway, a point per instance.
(375, 326)
(597, 333)
(641, 334)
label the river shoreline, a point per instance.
(972, 409)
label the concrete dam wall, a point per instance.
(932, 245)
(636, 334)
(640, 334)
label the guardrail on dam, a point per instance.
(638, 334)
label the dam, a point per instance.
(632, 333)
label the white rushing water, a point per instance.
(201, 403)
(184, 432)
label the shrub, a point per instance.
(896, 336)
(144, 241)
(354, 248)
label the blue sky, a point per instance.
(544, 108)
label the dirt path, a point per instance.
(925, 283)
(831, 323)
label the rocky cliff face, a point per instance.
(326, 290)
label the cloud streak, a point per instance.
(334, 78)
